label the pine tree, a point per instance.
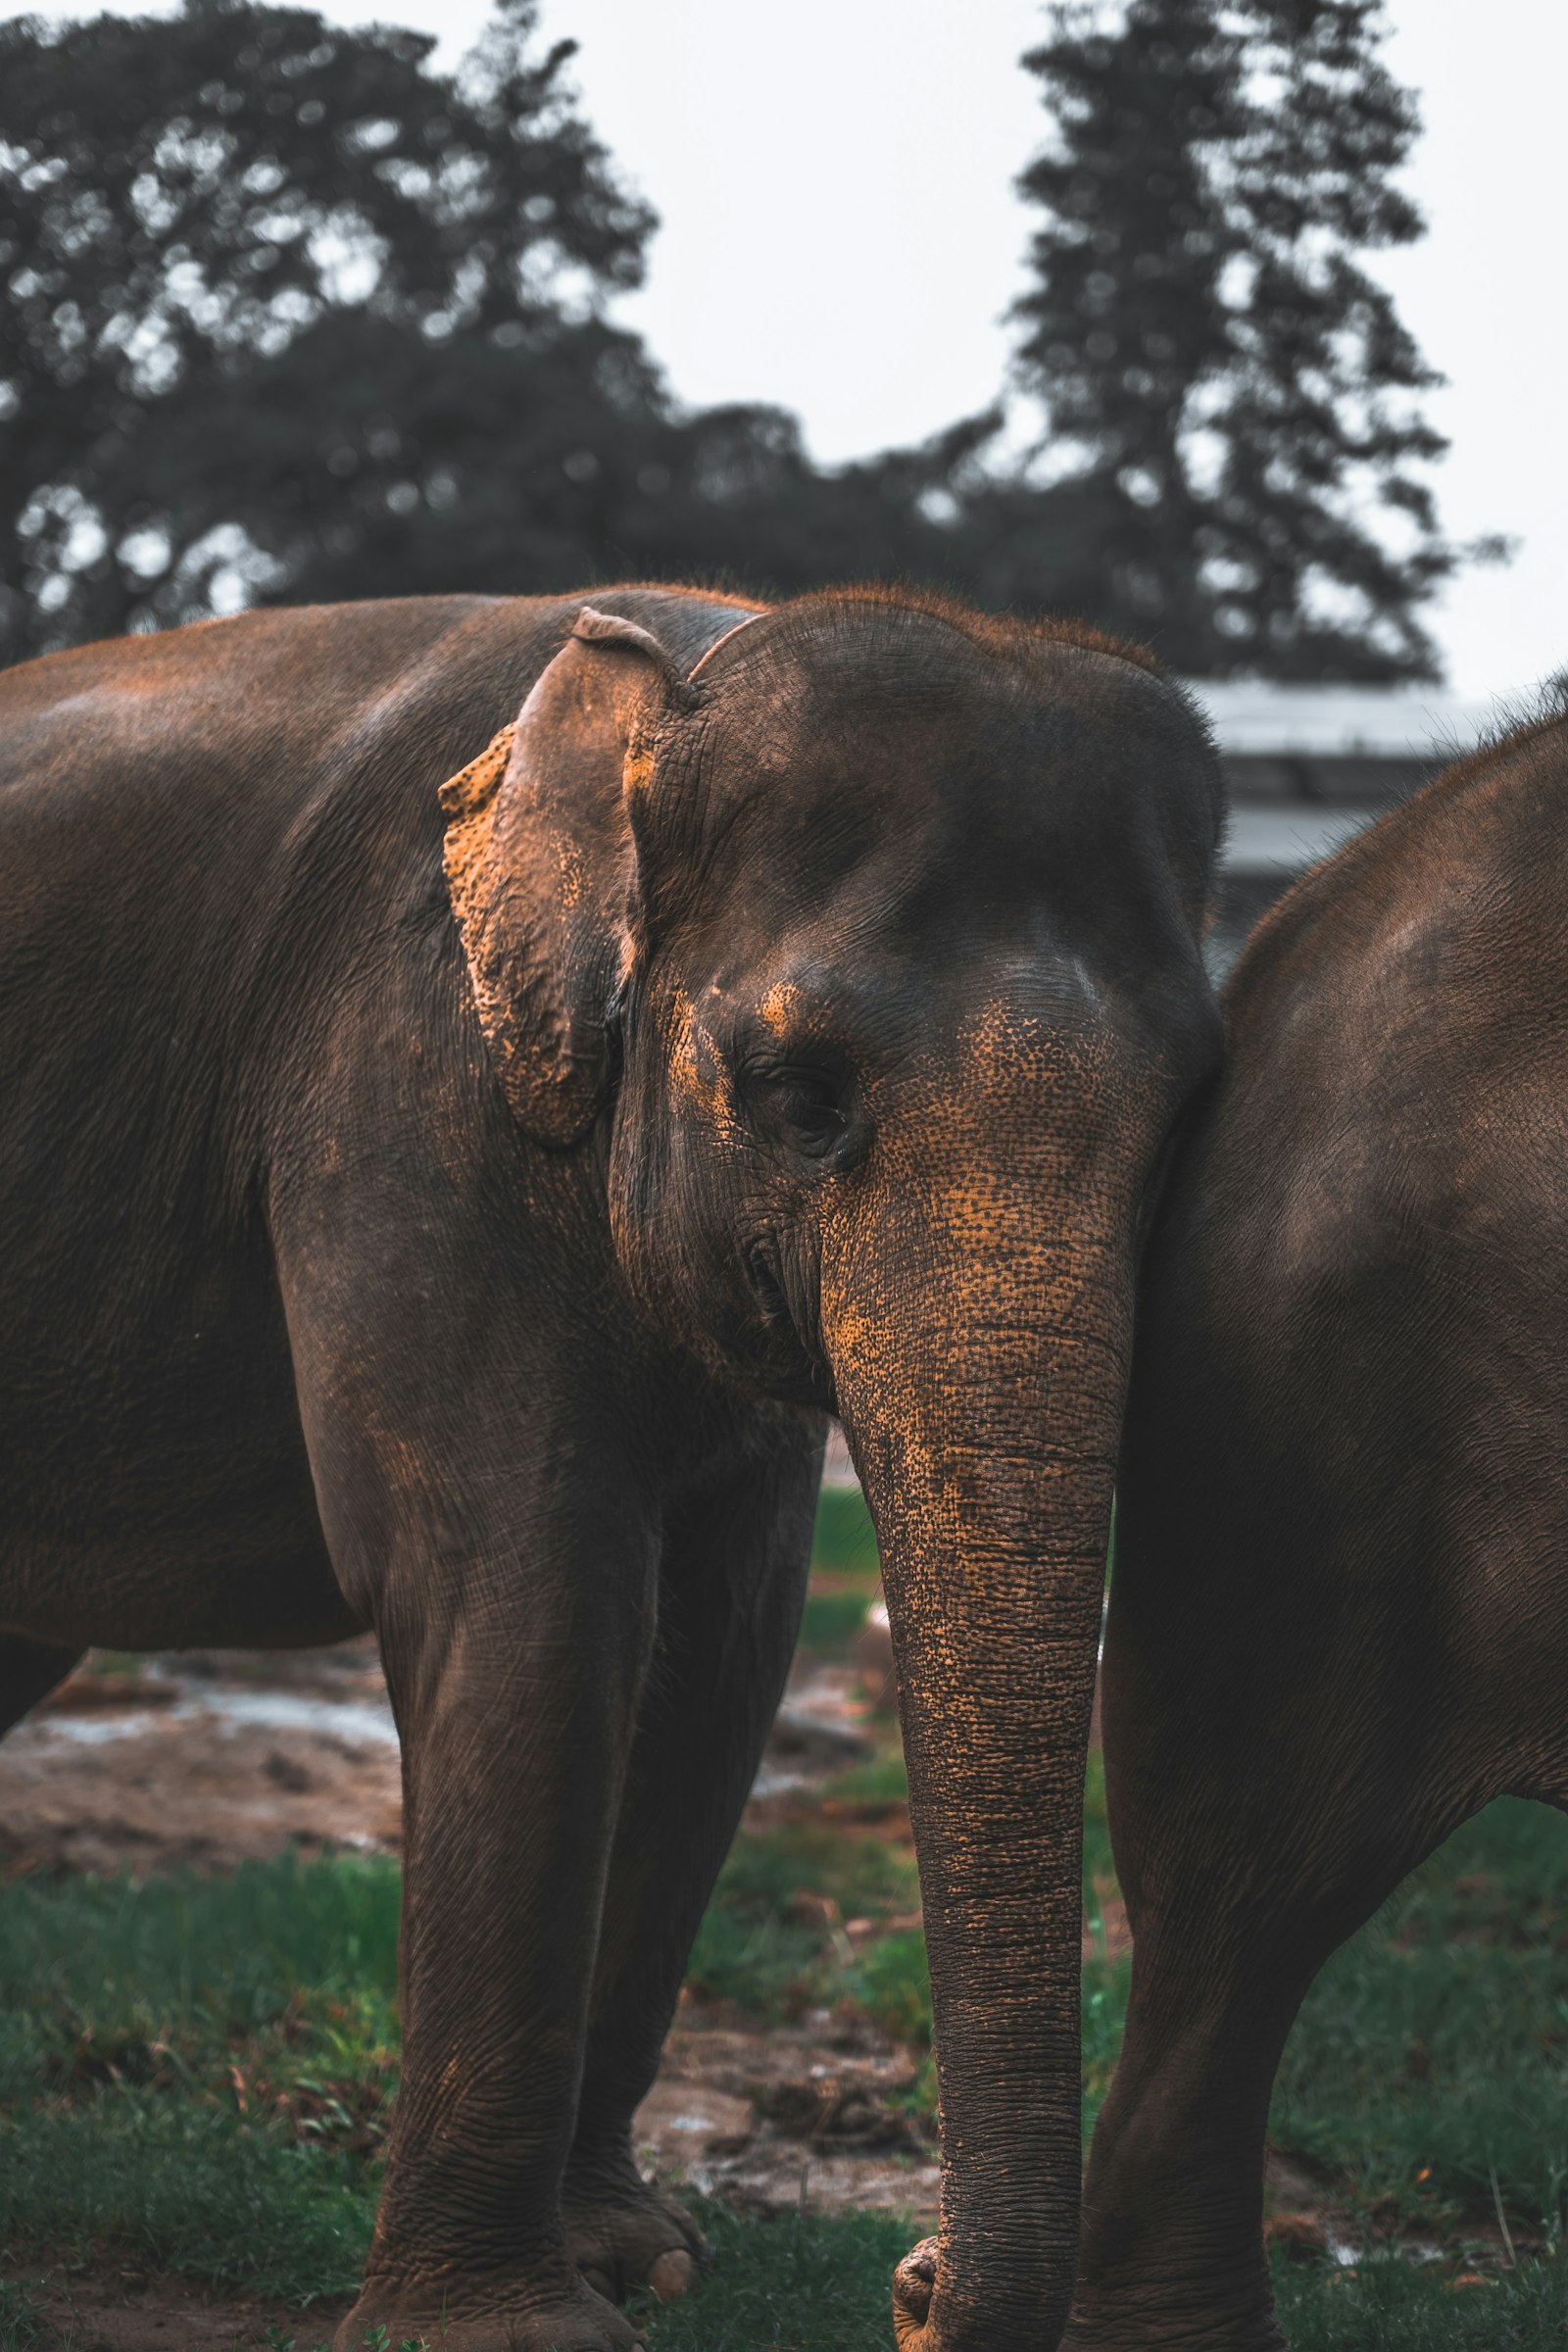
(1231, 401)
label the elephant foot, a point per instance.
(634, 2236)
(570, 2318)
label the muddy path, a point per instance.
(121, 2307)
(202, 1760)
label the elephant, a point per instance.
(485, 1079)
(1336, 1626)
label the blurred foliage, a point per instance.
(1232, 400)
(844, 1539)
(288, 315)
(285, 313)
(1429, 2067)
(772, 1941)
(832, 1620)
(236, 244)
(845, 1573)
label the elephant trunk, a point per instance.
(983, 1398)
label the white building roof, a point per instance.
(1388, 722)
(1286, 841)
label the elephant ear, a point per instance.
(541, 865)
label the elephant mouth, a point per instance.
(796, 1371)
(766, 1283)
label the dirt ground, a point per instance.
(125, 2310)
(208, 1759)
(205, 1759)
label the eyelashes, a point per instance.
(806, 1106)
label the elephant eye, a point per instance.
(808, 1104)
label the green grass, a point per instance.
(774, 1939)
(201, 2070)
(20, 2324)
(1428, 2068)
(199, 2073)
(1106, 1982)
(880, 1784)
(774, 2282)
(833, 1620)
(844, 1574)
(845, 1538)
(1395, 2306)
(801, 2283)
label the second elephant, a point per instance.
(1338, 1619)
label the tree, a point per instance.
(1231, 401)
(286, 315)
(206, 219)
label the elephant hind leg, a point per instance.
(28, 1672)
(1239, 1912)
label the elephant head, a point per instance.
(869, 952)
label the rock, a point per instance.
(87, 1692)
(1298, 2236)
(812, 1745)
(683, 2130)
(873, 1655)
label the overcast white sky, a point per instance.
(841, 236)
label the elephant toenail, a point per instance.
(671, 2274)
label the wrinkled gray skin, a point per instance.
(457, 1217)
(1337, 1625)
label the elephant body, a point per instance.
(453, 1211)
(1337, 1627)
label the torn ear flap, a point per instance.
(474, 785)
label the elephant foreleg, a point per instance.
(517, 1707)
(515, 1597)
(732, 1581)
